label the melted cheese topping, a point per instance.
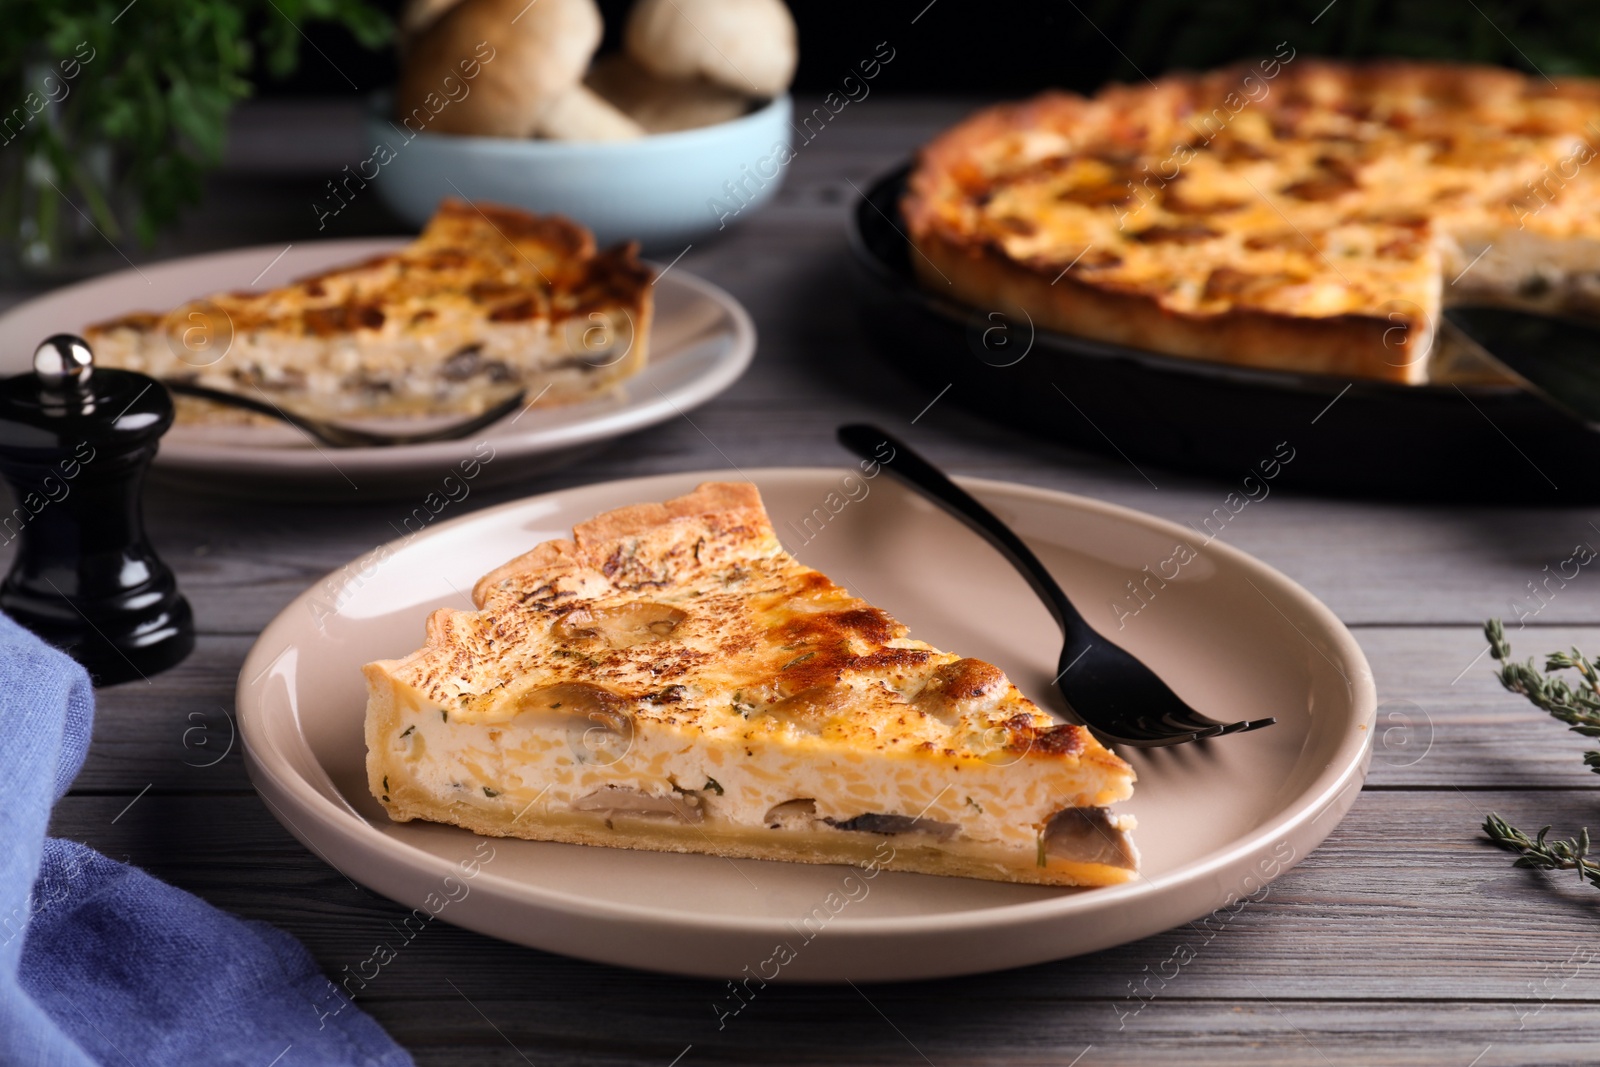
(682, 660)
(485, 301)
(1328, 190)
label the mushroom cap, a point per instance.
(746, 45)
(662, 105)
(579, 114)
(418, 15)
(525, 55)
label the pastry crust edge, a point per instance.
(1393, 348)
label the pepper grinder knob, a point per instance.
(75, 442)
(63, 363)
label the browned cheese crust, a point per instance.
(1298, 215)
(791, 719)
(487, 299)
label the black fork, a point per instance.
(1107, 690)
(340, 435)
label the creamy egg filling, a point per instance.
(761, 779)
(460, 367)
(671, 679)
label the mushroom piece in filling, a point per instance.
(614, 800)
(1087, 835)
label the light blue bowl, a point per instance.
(664, 190)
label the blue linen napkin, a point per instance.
(102, 964)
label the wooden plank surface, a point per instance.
(1406, 939)
(1404, 896)
(906, 1027)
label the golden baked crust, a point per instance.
(672, 679)
(487, 299)
(1301, 215)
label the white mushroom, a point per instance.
(621, 625)
(493, 67)
(967, 686)
(582, 115)
(1090, 835)
(578, 700)
(810, 709)
(746, 45)
(798, 814)
(418, 15)
(614, 800)
(662, 105)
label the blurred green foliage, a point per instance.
(1552, 37)
(156, 92)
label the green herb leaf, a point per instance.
(1576, 705)
(154, 91)
(1542, 855)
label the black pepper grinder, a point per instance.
(75, 442)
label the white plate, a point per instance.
(700, 342)
(1232, 636)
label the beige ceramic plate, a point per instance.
(701, 340)
(1234, 637)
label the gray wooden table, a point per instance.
(1404, 939)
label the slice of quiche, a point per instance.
(672, 679)
(487, 300)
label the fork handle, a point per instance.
(262, 407)
(868, 441)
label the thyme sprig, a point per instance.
(1571, 854)
(1576, 705)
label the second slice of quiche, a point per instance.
(488, 300)
(672, 679)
